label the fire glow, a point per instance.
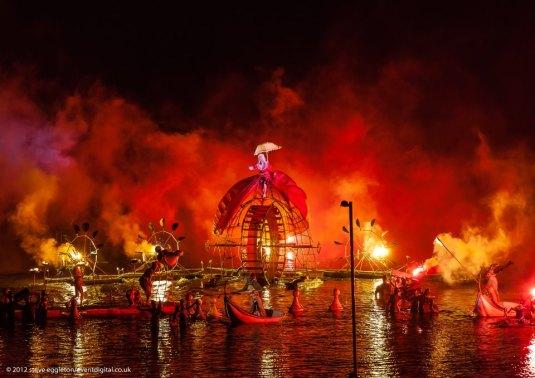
(417, 271)
(139, 173)
(379, 252)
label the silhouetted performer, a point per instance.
(78, 275)
(42, 309)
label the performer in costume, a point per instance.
(263, 168)
(491, 287)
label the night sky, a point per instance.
(178, 54)
(422, 112)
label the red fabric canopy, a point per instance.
(239, 192)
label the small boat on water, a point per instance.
(486, 308)
(135, 312)
(239, 315)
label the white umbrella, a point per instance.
(266, 147)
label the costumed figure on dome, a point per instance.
(263, 168)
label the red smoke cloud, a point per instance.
(417, 162)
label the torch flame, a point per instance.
(380, 251)
(418, 270)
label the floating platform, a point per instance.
(99, 279)
(358, 273)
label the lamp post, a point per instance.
(349, 204)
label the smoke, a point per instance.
(507, 232)
(421, 168)
(479, 247)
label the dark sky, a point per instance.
(176, 53)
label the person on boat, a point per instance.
(42, 308)
(145, 281)
(174, 319)
(78, 275)
(522, 312)
(383, 291)
(263, 168)
(9, 303)
(531, 309)
(257, 304)
(3, 307)
(72, 307)
(133, 296)
(251, 283)
(156, 313)
(193, 307)
(28, 309)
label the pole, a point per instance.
(455, 257)
(353, 315)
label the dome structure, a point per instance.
(261, 226)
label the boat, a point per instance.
(486, 308)
(136, 312)
(239, 315)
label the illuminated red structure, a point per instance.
(261, 225)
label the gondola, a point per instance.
(238, 315)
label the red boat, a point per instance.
(486, 308)
(136, 312)
(238, 315)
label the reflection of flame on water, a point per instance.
(160, 290)
(531, 357)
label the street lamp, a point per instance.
(349, 205)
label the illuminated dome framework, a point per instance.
(266, 232)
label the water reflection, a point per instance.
(315, 344)
(531, 358)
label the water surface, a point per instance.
(315, 344)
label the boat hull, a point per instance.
(135, 312)
(238, 315)
(485, 308)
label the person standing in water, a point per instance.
(383, 291)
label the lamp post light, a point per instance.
(349, 204)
